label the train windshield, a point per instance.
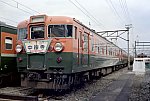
(22, 33)
(37, 32)
(60, 31)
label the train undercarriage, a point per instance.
(59, 81)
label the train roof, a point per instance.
(2, 24)
(23, 24)
(59, 19)
(63, 20)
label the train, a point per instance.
(9, 75)
(56, 52)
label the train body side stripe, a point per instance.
(8, 55)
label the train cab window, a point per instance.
(60, 31)
(37, 32)
(22, 33)
(69, 31)
(75, 31)
(8, 43)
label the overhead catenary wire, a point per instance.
(19, 8)
(85, 13)
(98, 21)
(9, 20)
(112, 7)
(125, 11)
(26, 7)
(125, 3)
(15, 7)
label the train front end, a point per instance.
(44, 51)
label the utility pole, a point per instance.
(135, 49)
(128, 27)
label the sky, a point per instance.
(103, 15)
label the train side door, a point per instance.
(85, 49)
(81, 48)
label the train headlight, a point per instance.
(58, 47)
(18, 48)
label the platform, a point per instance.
(120, 89)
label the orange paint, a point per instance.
(76, 43)
(3, 45)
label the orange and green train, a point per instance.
(55, 51)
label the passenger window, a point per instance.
(80, 39)
(8, 43)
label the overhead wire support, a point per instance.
(114, 33)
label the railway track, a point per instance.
(17, 93)
(30, 94)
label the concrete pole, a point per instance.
(135, 49)
(128, 48)
(128, 27)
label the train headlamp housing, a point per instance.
(58, 47)
(18, 48)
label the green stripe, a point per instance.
(8, 30)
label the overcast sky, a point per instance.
(135, 12)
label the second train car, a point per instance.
(8, 67)
(55, 52)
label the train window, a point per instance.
(8, 43)
(92, 44)
(103, 51)
(69, 31)
(37, 32)
(56, 31)
(85, 43)
(81, 40)
(60, 31)
(75, 31)
(22, 33)
(98, 49)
